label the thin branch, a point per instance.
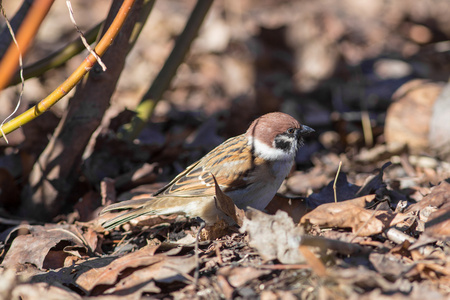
(197, 255)
(83, 39)
(76, 76)
(335, 181)
(57, 58)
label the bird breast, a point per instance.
(264, 183)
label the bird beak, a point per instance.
(306, 130)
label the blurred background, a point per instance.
(336, 66)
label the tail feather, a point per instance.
(125, 217)
(129, 204)
(137, 208)
(203, 206)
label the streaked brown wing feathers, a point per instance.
(229, 162)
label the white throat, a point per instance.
(270, 153)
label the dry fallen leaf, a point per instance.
(408, 117)
(44, 245)
(132, 272)
(225, 203)
(434, 210)
(352, 214)
(166, 270)
(439, 196)
(274, 236)
(99, 273)
(438, 225)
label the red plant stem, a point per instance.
(24, 37)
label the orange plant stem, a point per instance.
(25, 34)
(76, 76)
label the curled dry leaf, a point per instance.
(131, 272)
(98, 273)
(408, 118)
(226, 204)
(44, 245)
(352, 214)
(438, 225)
(166, 270)
(435, 209)
(439, 196)
(275, 237)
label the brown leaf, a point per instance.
(109, 274)
(274, 236)
(226, 204)
(34, 248)
(408, 118)
(133, 272)
(352, 214)
(439, 196)
(438, 225)
(168, 269)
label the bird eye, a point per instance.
(291, 131)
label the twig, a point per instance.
(83, 39)
(197, 256)
(335, 181)
(367, 128)
(120, 244)
(62, 90)
(57, 58)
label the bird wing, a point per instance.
(230, 163)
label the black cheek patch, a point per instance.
(283, 144)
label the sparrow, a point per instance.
(248, 168)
